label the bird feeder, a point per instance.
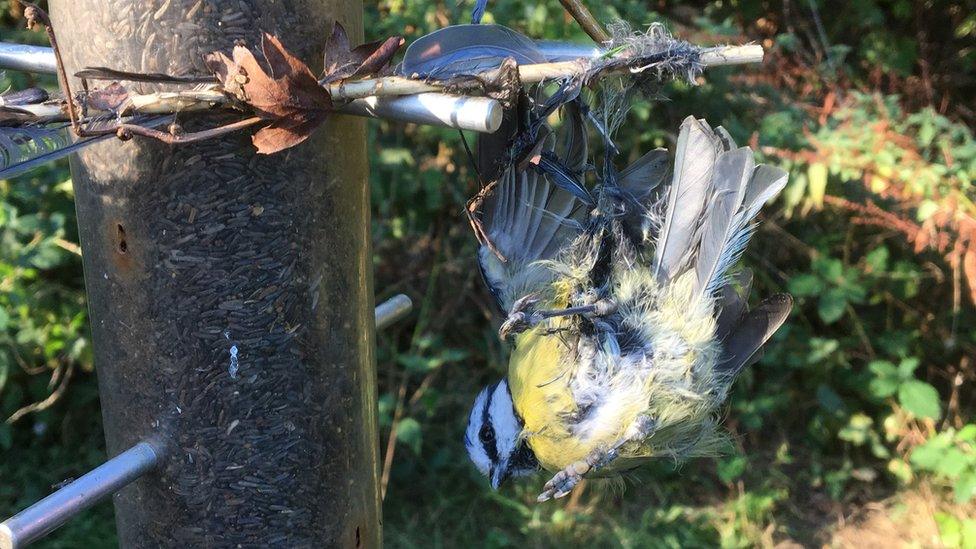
(230, 297)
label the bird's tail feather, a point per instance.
(716, 192)
(691, 184)
(721, 236)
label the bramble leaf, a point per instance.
(920, 399)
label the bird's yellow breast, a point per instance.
(539, 382)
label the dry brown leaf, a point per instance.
(109, 98)
(342, 63)
(969, 269)
(924, 237)
(287, 93)
(284, 133)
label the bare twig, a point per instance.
(126, 131)
(586, 20)
(391, 440)
(471, 210)
(528, 74)
(36, 16)
(68, 245)
(47, 402)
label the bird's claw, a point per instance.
(515, 323)
(564, 481)
(521, 317)
(524, 303)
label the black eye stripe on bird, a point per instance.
(627, 316)
(488, 442)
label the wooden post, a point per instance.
(230, 295)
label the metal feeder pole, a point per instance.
(230, 295)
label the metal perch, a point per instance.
(44, 516)
(22, 57)
(434, 109)
(393, 97)
(392, 310)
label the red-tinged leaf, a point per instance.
(293, 77)
(969, 269)
(342, 63)
(379, 58)
(337, 55)
(338, 41)
(281, 63)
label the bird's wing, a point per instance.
(466, 50)
(711, 236)
(530, 217)
(571, 142)
(731, 303)
(644, 175)
(492, 149)
(755, 328)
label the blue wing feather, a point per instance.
(465, 50)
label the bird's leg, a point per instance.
(523, 315)
(564, 481)
(600, 308)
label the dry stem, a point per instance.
(586, 20)
(528, 74)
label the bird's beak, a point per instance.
(498, 476)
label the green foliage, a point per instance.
(951, 456)
(833, 284)
(917, 397)
(955, 532)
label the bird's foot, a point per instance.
(564, 481)
(521, 317)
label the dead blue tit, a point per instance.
(628, 320)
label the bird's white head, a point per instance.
(493, 437)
